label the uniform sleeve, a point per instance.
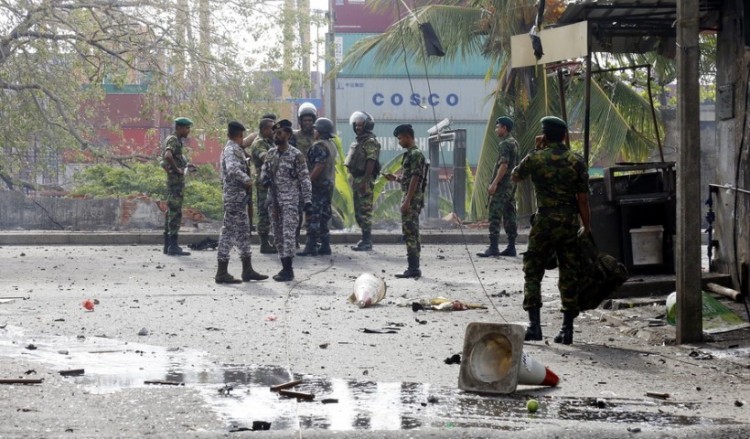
(171, 145)
(523, 169)
(319, 154)
(304, 178)
(372, 149)
(505, 151)
(265, 169)
(256, 152)
(236, 168)
(416, 163)
(582, 185)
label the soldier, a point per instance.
(175, 163)
(413, 184)
(321, 160)
(561, 181)
(303, 139)
(248, 141)
(363, 163)
(502, 191)
(236, 185)
(258, 151)
(285, 174)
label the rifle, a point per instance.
(249, 201)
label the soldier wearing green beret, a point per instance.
(561, 182)
(502, 192)
(412, 182)
(175, 163)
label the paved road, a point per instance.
(227, 344)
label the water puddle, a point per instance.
(240, 394)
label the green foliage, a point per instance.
(202, 188)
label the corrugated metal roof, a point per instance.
(635, 26)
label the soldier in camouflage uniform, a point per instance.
(258, 151)
(248, 141)
(303, 139)
(502, 192)
(285, 174)
(363, 163)
(175, 163)
(236, 186)
(412, 183)
(561, 181)
(321, 161)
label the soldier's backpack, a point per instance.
(601, 274)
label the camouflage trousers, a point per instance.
(363, 203)
(503, 208)
(320, 212)
(410, 230)
(284, 221)
(550, 234)
(235, 232)
(175, 193)
(264, 222)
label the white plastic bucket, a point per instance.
(646, 244)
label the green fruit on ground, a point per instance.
(532, 405)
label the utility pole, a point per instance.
(303, 6)
(331, 55)
(689, 300)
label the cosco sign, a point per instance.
(415, 99)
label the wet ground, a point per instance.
(213, 352)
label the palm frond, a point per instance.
(388, 205)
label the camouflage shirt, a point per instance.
(290, 180)
(413, 163)
(235, 174)
(364, 149)
(174, 144)
(508, 155)
(258, 151)
(323, 151)
(303, 141)
(558, 175)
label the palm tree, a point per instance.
(621, 123)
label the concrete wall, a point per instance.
(19, 212)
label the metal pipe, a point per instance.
(653, 112)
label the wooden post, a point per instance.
(587, 111)
(689, 301)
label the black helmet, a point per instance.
(325, 127)
(307, 109)
(361, 116)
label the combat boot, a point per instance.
(311, 246)
(566, 332)
(365, 244)
(265, 246)
(166, 242)
(287, 273)
(413, 271)
(223, 276)
(510, 250)
(325, 245)
(492, 250)
(174, 249)
(248, 273)
(534, 330)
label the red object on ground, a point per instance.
(88, 304)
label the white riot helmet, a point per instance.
(361, 116)
(307, 109)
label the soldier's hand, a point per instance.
(492, 189)
(405, 208)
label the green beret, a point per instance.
(183, 121)
(554, 123)
(505, 121)
(403, 129)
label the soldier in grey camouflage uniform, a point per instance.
(285, 174)
(236, 186)
(303, 139)
(561, 183)
(175, 163)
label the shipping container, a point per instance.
(463, 66)
(359, 16)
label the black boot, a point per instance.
(223, 276)
(492, 250)
(265, 246)
(311, 246)
(248, 273)
(534, 331)
(167, 240)
(286, 274)
(174, 249)
(566, 333)
(325, 245)
(510, 250)
(413, 270)
(365, 244)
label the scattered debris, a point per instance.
(739, 403)
(143, 332)
(261, 425)
(368, 290)
(21, 381)
(207, 243)
(378, 331)
(453, 359)
(287, 385)
(698, 355)
(324, 345)
(329, 401)
(164, 383)
(634, 429)
(298, 395)
(658, 395)
(271, 318)
(3, 301)
(416, 306)
(71, 372)
(31, 347)
(432, 399)
(226, 390)
(443, 304)
(211, 328)
(30, 372)
(421, 322)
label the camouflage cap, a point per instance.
(183, 121)
(505, 121)
(554, 123)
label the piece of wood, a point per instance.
(287, 385)
(658, 395)
(164, 383)
(71, 372)
(298, 395)
(21, 381)
(724, 291)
